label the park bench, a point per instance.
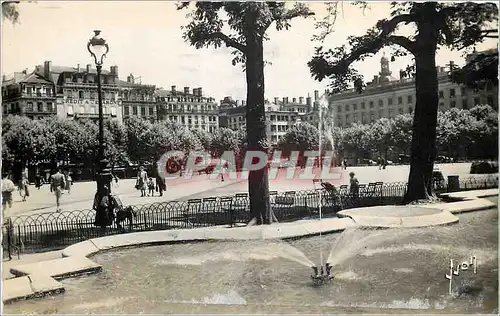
(235, 207)
(284, 204)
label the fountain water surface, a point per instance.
(374, 270)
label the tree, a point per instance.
(379, 135)
(455, 132)
(137, 130)
(115, 136)
(224, 139)
(456, 25)
(356, 139)
(204, 137)
(486, 132)
(401, 132)
(300, 137)
(27, 142)
(247, 23)
(10, 11)
(479, 73)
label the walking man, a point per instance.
(7, 188)
(57, 184)
(161, 185)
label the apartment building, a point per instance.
(189, 108)
(386, 96)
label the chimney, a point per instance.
(309, 101)
(276, 100)
(78, 68)
(237, 102)
(301, 100)
(196, 92)
(114, 70)
(88, 67)
(284, 100)
(316, 95)
(3, 78)
(173, 89)
(200, 92)
(186, 90)
(402, 74)
(441, 69)
(47, 69)
(243, 102)
(294, 100)
(375, 79)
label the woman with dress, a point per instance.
(142, 181)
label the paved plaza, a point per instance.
(201, 186)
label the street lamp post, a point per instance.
(98, 49)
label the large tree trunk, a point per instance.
(258, 182)
(423, 145)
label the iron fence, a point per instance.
(51, 231)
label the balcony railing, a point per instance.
(191, 111)
(91, 85)
(91, 115)
(35, 111)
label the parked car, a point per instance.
(482, 167)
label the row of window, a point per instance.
(281, 118)
(89, 78)
(183, 99)
(92, 95)
(279, 128)
(135, 110)
(39, 91)
(91, 110)
(189, 107)
(347, 107)
(190, 119)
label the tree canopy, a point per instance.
(479, 72)
(10, 11)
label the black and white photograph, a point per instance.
(249, 157)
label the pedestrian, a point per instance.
(7, 188)
(161, 185)
(142, 181)
(57, 184)
(39, 181)
(223, 171)
(151, 186)
(69, 181)
(354, 186)
(345, 164)
(104, 208)
(24, 188)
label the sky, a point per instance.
(145, 39)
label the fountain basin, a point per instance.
(394, 216)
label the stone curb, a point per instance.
(75, 259)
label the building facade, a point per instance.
(281, 115)
(193, 110)
(387, 97)
(76, 89)
(28, 94)
(138, 100)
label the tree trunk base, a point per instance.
(273, 219)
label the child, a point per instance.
(151, 187)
